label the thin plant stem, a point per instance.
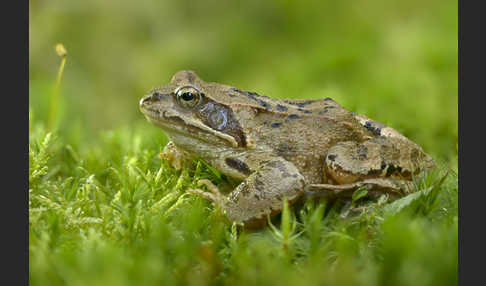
(61, 51)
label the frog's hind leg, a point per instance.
(381, 157)
(260, 195)
(395, 189)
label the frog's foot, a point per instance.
(395, 189)
(214, 195)
(176, 157)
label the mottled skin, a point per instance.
(278, 148)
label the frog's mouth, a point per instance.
(172, 123)
(169, 122)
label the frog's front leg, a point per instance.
(177, 158)
(262, 193)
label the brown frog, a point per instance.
(279, 149)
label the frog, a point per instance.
(278, 149)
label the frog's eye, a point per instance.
(188, 96)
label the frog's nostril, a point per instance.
(151, 98)
(156, 96)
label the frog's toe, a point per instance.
(213, 195)
(211, 187)
(209, 196)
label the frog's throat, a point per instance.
(172, 123)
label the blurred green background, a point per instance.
(395, 61)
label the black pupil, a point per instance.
(187, 96)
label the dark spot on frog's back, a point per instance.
(252, 93)
(238, 165)
(276, 124)
(304, 110)
(254, 96)
(300, 104)
(281, 107)
(230, 95)
(293, 116)
(263, 103)
(332, 157)
(374, 127)
(325, 110)
(245, 93)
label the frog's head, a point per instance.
(184, 111)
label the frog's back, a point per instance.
(302, 131)
(310, 123)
